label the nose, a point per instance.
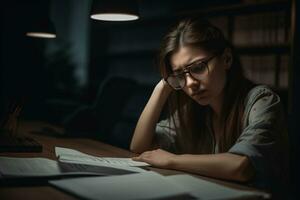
(190, 81)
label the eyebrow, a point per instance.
(181, 68)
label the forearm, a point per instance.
(142, 139)
(225, 165)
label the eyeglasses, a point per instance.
(198, 70)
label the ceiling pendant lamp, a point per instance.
(114, 10)
(42, 28)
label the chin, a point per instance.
(202, 101)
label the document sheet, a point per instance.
(202, 189)
(148, 185)
(24, 167)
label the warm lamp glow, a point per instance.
(114, 10)
(114, 17)
(40, 35)
(41, 27)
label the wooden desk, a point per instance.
(88, 146)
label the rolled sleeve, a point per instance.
(260, 139)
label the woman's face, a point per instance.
(210, 88)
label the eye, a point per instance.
(198, 68)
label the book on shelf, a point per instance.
(260, 29)
(284, 72)
(260, 69)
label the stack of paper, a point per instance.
(66, 155)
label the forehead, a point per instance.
(186, 55)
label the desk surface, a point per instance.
(88, 146)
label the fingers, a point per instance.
(144, 156)
(137, 158)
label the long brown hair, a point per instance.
(192, 121)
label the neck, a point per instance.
(216, 106)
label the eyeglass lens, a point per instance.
(197, 71)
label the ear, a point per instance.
(227, 57)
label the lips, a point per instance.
(198, 93)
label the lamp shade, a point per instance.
(41, 28)
(114, 10)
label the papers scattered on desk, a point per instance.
(11, 167)
(150, 185)
(66, 154)
(70, 163)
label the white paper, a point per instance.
(28, 167)
(66, 154)
(149, 185)
(43, 167)
(100, 164)
(203, 189)
(33, 167)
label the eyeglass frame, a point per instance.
(187, 69)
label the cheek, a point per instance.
(217, 81)
(186, 91)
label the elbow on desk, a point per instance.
(141, 148)
(245, 171)
(135, 149)
(133, 146)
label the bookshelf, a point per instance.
(260, 33)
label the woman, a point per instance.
(219, 124)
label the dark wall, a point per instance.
(35, 71)
(295, 106)
(22, 76)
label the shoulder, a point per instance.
(261, 99)
(261, 94)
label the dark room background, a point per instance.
(95, 77)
